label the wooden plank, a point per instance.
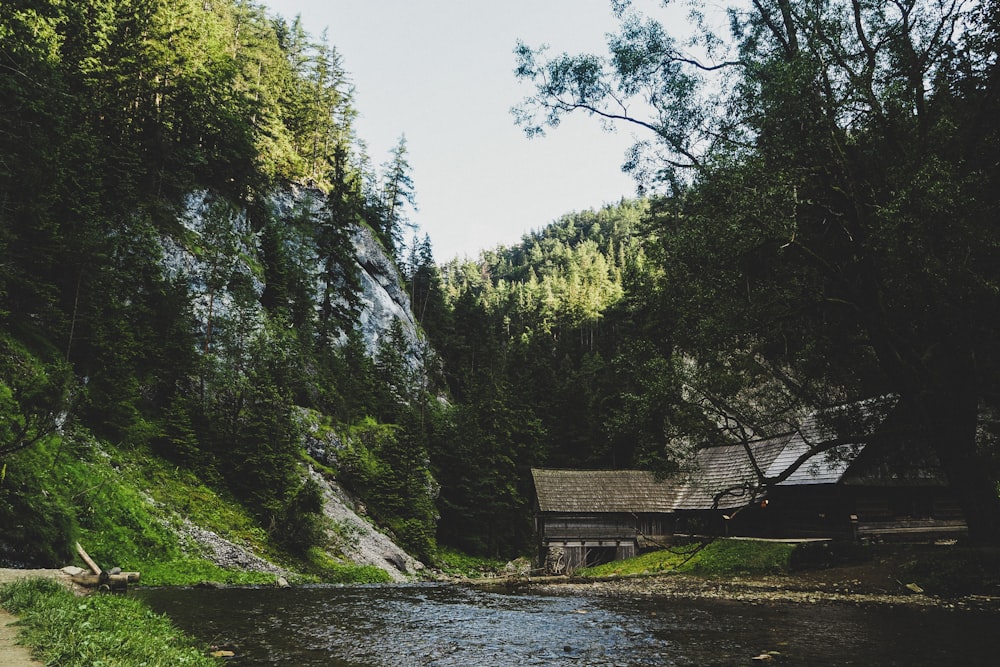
(87, 559)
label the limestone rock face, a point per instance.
(209, 222)
(357, 539)
(383, 298)
(214, 247)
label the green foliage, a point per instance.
(116, 523)
(460, 564)
(65, 491)
(482, 456)
(387, 466)
(328, 570)
(741, 557)
(63, 629)
(300, 518)
(824, 233)
(126, 507)
(426, 287)
(33, 393)
(388, 214)
(653, 562)
(194, 571)
(38, 522)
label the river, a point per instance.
(437, 624)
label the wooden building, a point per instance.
(884, 486)
(587, 517)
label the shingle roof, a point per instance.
(602, 491)
(715, 481)
(720, 473)
(823, 468)
(716, 470)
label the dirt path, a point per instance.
(8, 575)
(11, 653)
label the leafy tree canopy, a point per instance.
(831, 177)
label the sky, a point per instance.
(441, 72)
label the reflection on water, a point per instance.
(432, 624)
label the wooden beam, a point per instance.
(88, 560)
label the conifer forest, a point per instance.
(818, 223)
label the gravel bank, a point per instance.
(761, 590)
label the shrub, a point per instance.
(300, 521)
(451, 561)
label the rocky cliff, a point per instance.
(209, 222)
(217, 248)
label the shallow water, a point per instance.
(432, 624)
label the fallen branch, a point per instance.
(88, 560)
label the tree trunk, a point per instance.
(949, 419)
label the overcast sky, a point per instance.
(441, 72)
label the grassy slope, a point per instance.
(721, 557)
(128, 507)
(945, 571)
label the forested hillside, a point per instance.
(186, 215)
(553, 356)
(828, 214)
(165, 294)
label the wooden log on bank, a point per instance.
(98, 578)
(112, 581)
(88, 560)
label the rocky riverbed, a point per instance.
(757, 590)
(888, 575)
(874, 583)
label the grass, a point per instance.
(128, 509)
(324, 568)
(459, 564)
(192, 571)
(722, 557)
(96, 631)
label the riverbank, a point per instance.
(913, 575)
(13, 654)
(753, 590)
(885, 580)
(63, 628)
